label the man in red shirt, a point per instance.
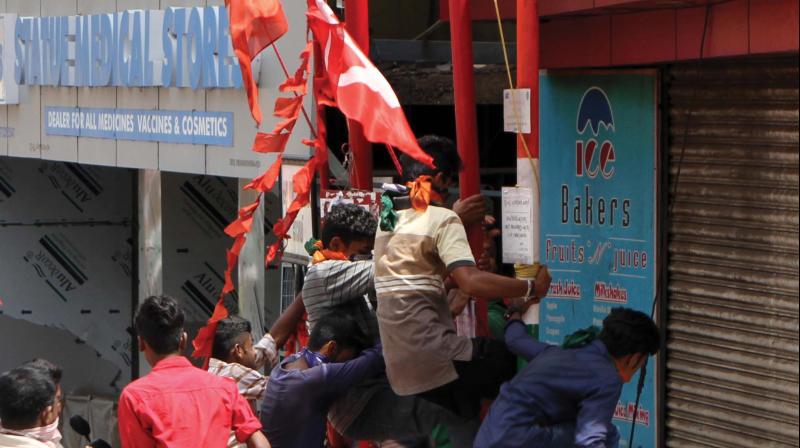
(178, 405)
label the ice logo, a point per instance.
(595, 112)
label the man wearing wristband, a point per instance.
(418, 246)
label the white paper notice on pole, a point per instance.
(517, 225)
(517, 110)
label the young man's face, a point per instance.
(359, 249)
(442, 183)
(244, 352)
(628, 365)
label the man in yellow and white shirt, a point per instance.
(417, 248)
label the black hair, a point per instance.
(349, 222)
(47, 367)
(26, 392)
(338, 327)
(159, 321)
(626, 331)
(445, 157)
(226, 337)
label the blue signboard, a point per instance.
(598, 199)
(169, 126)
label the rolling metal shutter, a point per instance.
(732, 350)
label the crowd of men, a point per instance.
(384, 362)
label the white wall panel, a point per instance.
(58, 147)
(25, 116)
(180, 157)
(239, 161)
(94, 150)
(4, 110)
(131, 154)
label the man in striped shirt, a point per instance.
(235, 356)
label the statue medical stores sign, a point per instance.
(598, 196)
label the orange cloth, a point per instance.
(325, 254)
(422, 193)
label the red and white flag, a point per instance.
(359, 89)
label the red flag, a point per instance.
(203, 343)
(255, 24)
(266, 181)
(359, 89)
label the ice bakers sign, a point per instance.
(594, 160)
(598, 229)
(176, 47)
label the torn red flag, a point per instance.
(266, 181)
(299, 82)
(203, 343)
(288, 107)
(254, 25)
(268, 142)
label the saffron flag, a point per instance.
(203, 343)
(358, 88)
(255, 24)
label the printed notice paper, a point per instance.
(517, 225)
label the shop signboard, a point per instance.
(598, 227)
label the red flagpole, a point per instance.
(466, 131)
(357, 24)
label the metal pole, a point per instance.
(357, 24)
(322, 169)
(528, 78)
(466, 131)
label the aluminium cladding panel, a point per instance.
(66, 238)
(732, 350)
(194, 243)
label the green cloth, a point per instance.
(311, 246)
(388, 214)
(440, 437)
(581, 338)
(497, 319)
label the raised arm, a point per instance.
(341, 376)
(521, 343)
(287, 322)
(481, 284)
(453, 248)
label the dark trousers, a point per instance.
(478, 379)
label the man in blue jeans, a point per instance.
(566, 397)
